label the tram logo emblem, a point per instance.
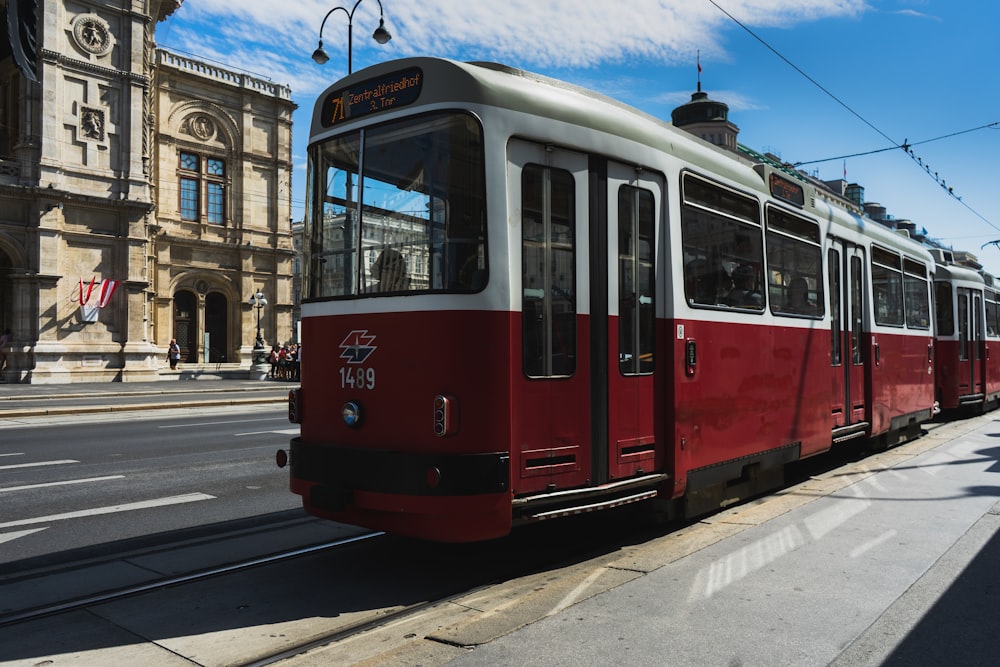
(357, 346)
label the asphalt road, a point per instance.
(95, 480)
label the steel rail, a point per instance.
(168, 582)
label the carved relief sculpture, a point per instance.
(92, 123)
(93, 34)
(202, 127)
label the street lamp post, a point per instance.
(381, 35)
(258, 301)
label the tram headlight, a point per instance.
(351, 412)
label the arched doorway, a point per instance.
(186, 324)
(217, 327)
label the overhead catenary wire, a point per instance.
(907, 148)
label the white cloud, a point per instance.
(259, 36)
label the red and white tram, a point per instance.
(523, 299)
(967, 353)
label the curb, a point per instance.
(98, 409)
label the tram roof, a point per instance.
(492, 84)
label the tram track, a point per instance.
(36, 613)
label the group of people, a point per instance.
(284, 361)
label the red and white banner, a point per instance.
(104, 293)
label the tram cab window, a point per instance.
(794, 265)
(721, 234)
(410, 191)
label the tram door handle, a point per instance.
(878, 355)
(690, 356)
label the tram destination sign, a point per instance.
(371, 96)
(785, 190)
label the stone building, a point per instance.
(223, 209)
(142, 196)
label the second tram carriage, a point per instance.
(523, 299)
(967, 336)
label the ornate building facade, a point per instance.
(143, 196)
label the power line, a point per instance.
(903, 145)
(907, 148)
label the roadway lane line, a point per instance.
(37, 464)
(285, 431)
(230, 421)
(13, 454)
(10, 537)
(128, 507)
(68, 481)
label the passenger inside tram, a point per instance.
(390, 272)
(744, 293)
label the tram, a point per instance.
(967, 335)
(523, 300)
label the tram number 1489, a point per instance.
(357, 378)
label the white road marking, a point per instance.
(231, 421)
(63, 483)
(10, 537)
(13, 454)
(37, 464)
(128, 507)
(284, 431)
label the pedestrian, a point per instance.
(273, 359)
(5, 341)
(174, 353)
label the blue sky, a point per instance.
(883, 72)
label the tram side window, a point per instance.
(548, 258)
(723, 249)
(794, 265)
(944, 309)
(636, 280)
(915, 296)
(887, 287)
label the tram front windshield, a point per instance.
(397, 208)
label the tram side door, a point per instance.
(550, 365)
(970, 336)
(635, 209)
(846, 266)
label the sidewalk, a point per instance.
(893, 561)
(24, 400)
